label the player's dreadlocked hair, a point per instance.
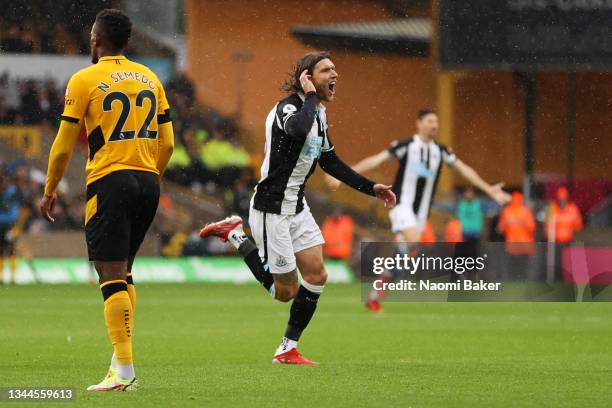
(116, 26)
(308, 61)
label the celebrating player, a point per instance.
(130, 138)
(420, 162)
(286, 235)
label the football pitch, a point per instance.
(211, 345)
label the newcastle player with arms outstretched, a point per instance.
(286, 235)
(420, 163)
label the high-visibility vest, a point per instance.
(428, 236)
(518, 226)
(338, 235)
(565, 222)
(453, 231)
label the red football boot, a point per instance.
(221, 229)
(292, 356)
(374, 306)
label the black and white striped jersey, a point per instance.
(419, 169)
(290, 158)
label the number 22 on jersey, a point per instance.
(119, 100)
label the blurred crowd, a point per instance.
(50, 26)
(207, 154)
(24, 183)
(519, 225)
(29, 101)
(555, 220)
(209, 158)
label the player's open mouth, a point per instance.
(332, 87)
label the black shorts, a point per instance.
(120, 209)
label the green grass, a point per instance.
(211, 345)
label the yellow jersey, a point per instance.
(122, 104)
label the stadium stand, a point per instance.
(49, 28)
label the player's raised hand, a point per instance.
(332, 182)
(47, 204)
(384, 193)
(306, 82)
(499, 195)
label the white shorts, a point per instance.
(279, 237)
(402, 217)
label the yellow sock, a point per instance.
(118, 316)
(1, 269)
(13, 266)
(131, 288)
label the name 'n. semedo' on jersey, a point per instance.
(122, 103)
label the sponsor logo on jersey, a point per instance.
(312, 148)
(420, 170)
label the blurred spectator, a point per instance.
(51, 101)
(29, 102)
(238, 199)
(453, 232)
(6, 116)
(564, 218)
(28, 195)
(9, 213)
(516, 221)
(338, 231)
(9, 91)
(517, 224)
(471, 215)
(562, 221)
(223, 157)
(180, 85)
(182, 165)
(428, 236)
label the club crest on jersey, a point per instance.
(280, 261)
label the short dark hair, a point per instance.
(424, 112)
(116, 26)
(308, 61)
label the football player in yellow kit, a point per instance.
(126, 115)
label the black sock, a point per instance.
(260, 270)
(302, 309)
